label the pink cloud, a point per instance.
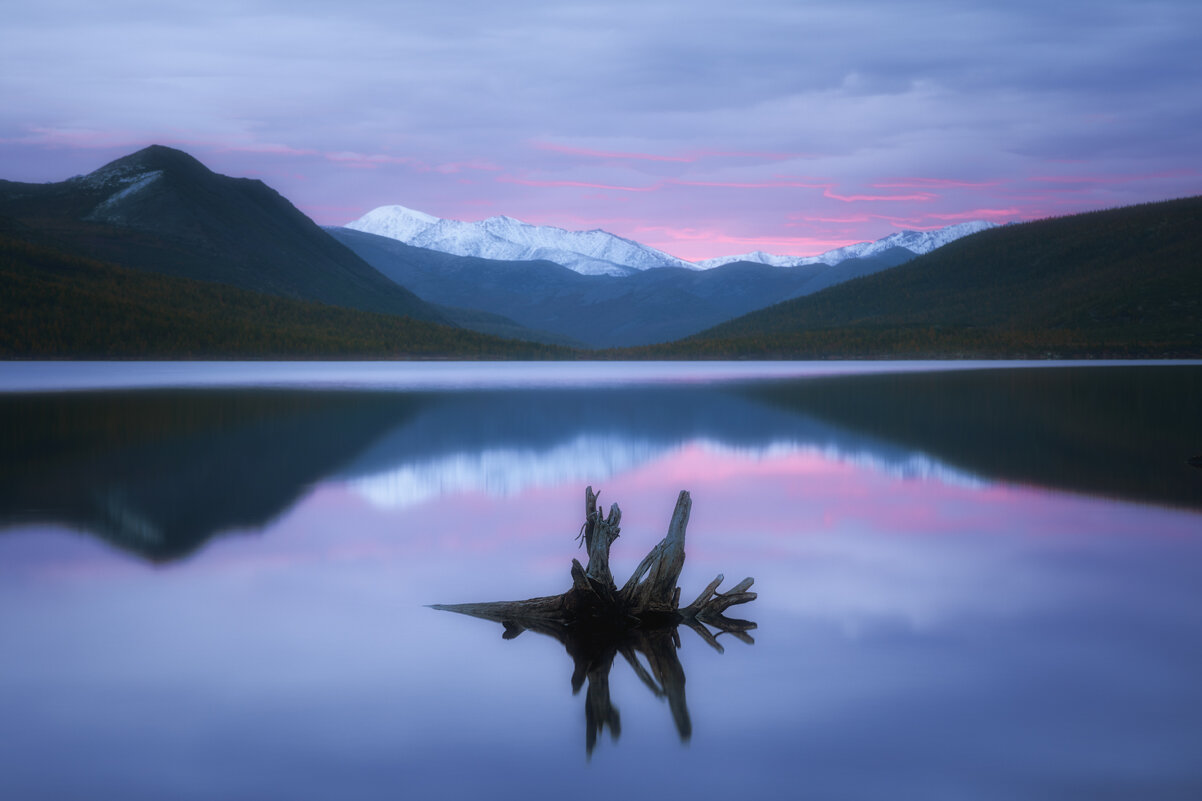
(979, 214)
(845, 220)
(912, 226)
(701, 243)
(576, 222)
(921, 197)
(853, 219)
(928, 221)
(678, 234)
(782, 184)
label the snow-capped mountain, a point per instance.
(599, 252)
(593, 252)
(918, 242)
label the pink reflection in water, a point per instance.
(753, 512)
(757, 505)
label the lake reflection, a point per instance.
(980, 584)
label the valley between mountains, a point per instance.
(156, 256)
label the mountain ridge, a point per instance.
(160, 210)
(1120, 282)
(1117, 283)
(599, 252)
(915, 241)
(644, 307)
(593, 252)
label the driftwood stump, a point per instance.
(595, 620)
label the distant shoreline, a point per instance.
(67, 376)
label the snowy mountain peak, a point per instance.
(154, 160)
(502, 219)
(593, 252)
(917, 242)
(395, 222)
(925, 241)
(598, 252)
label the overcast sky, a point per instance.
(702, 127)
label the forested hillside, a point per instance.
(1115, 283)
(56, 305)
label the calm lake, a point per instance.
(976, 581)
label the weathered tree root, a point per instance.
(596, 621)
(648, 599)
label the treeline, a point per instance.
(925, 342)
(56, 305)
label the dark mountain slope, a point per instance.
(161, 210)
(1121, 282)
(55, 305)
(655, 305)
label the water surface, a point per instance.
(973, 583)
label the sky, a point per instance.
(701, 127)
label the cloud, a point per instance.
(594, 110)
(920, 197)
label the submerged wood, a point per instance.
(596, 621)
(650, 597)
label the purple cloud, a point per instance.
(912, 114)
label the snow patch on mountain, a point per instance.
(593, 252)
(118, 173)
(758, 257)
(917, 242)
(131, 184)
(126, 183)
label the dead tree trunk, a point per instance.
(649, 598)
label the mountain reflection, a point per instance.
(158, 473)
(504, 442)
(1121, 432)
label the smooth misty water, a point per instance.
(973, 583)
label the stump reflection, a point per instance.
(595, 621)
(594, 645)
